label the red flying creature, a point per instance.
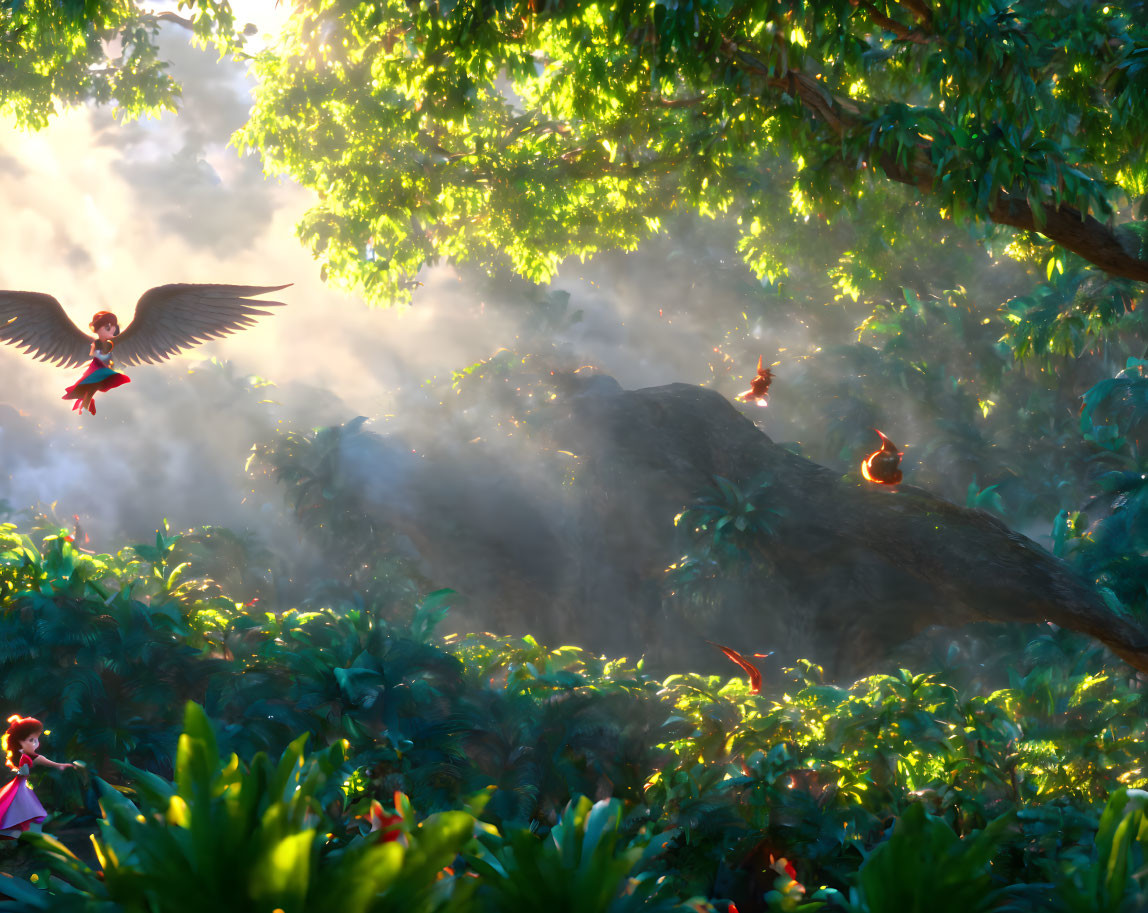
(167, 320)
(759, 387)
(884, 465)
(751, 670)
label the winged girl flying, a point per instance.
(168, 319)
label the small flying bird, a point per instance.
(759, 387)
(168, 319)
(884, 465)
(748, 667)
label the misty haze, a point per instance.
(696, 461)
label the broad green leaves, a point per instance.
(924, 868)
(236, 837)
(1116, 881)
(727, 531)
(583, 865)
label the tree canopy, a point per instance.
(533, 130)
(55, 53)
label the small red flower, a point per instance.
(387, 826)
(785, 870)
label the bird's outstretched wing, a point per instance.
(750, 669)
(36, 323)
(172, 318)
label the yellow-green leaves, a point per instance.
(55, 54)
(523, 134)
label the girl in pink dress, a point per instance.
(100, 376)
(19, 807)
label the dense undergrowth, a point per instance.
(421, 772)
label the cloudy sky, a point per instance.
(98, 211)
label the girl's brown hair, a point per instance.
(103, 319)
(19, 729)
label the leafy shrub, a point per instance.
(233, 837)
(704, 789)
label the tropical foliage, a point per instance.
(832, 146)
(700, 792)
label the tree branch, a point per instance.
(891, 25)
(175, 19)
(1067, 226)
(921, 11)
(1082, 234)
(679, 102)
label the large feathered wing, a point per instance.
(36, 323)
(172, 318)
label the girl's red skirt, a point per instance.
(97, 379)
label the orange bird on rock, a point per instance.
(884, 465)
(759, 387)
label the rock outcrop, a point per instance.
(853, 568)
